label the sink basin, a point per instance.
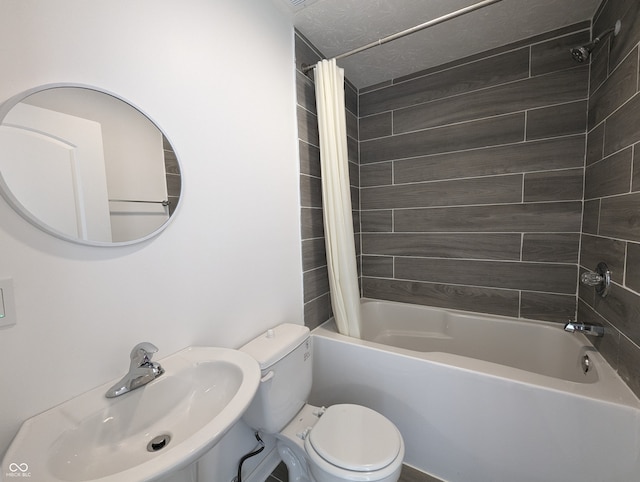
(141, 435)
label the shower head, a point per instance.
(582, 52)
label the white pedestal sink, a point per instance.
(141, 435)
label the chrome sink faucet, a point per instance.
(141, 370)
(587, 329)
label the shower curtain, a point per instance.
(336, 198)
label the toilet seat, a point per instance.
(353, 438)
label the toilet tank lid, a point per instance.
(274, 344)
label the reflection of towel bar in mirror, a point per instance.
(164, 203)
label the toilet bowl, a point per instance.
(343, 442)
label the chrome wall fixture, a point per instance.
(585, 329)
(600, 279)
(582, 52)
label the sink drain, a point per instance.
(586, 364)
(158, 443)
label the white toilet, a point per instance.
(341, 443)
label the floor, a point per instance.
(408, 475)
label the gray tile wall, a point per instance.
(472, 181)
(473, 186)
(317, 304)
(611, 224)
(173, 176)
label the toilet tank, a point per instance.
(285, 357)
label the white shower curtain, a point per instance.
(336, 198)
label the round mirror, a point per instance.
(86, 166)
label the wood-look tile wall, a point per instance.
(173, 175)
(474, 192)
(611, 223)
(472, 181)
(317, 304)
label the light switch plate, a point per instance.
(7, 304)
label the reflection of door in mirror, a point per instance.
(54, 163)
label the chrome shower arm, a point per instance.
(582, 52)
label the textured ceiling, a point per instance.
(337, 26)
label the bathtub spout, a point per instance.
(587, 329)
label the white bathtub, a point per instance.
(484, 399)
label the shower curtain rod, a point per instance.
(430, 23)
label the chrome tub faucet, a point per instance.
(587, 329)
(141, 370)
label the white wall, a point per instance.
(218, 78)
